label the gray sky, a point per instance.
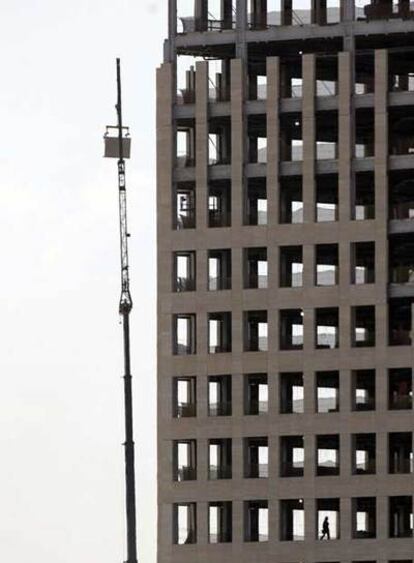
(61, 470)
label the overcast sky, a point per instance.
(61, 470)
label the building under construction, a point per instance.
(286, 282)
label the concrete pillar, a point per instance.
(172, 19)
(241, 18)
(202, 334)
(345, 391)
(308, 329)
(382, 453)
(201, 143)
(345, 140)
(382, 523)
(237, 394)
(165, 530)
(345, 328)
(309, 396)
(237, 141)
(404, 8)
(227, 14)
(202, 523)
(287, 12)
(273, 135)
(347, 10)
(259, 19)
(309, 136)
(381, 388)
(274, 457)
(237, 459)
(237, 331)
(345, 508)
(310, 518)
(238, 522)
(345, 453)
(319, 12)
(273, 518)
(345, 265)
(308, 257)
(381, 194)
(202, 459)
(166, 144)
(201, 14)
(310, 456)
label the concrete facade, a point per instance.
(366, 59)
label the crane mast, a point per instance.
(125, 307)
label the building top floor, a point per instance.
(201, 26)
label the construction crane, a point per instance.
(118, 146)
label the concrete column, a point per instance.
(238, 522)
(345, 328)
(345, 140)
(381, 124)
(310, 457)
(165, 530)
(309, 136)
(309, 395)
(165, 151)
(202, 459)
(237, 331)
(287, 12)
(319, 12)
(201, 14)
(273, 335)
(345, 265)
(201, 148)
(412, 327)
(381, 316)
(227, 13)
(345, 453)
(308, 329)
(381, 195)
(382, 453)
(273, 134)
(237, 393)
(382, 523)
(237, 458)
(241, 19)
(261, 13)
(273, 382)
(404, 8)
(308, 257)
(273, 267)
(237, 141)
(310, 518)
(201, 333)
(202, 270)
(274, 457)
(165, 163)
(345, 507)
(165, 385)
(202, 523)
(237, 282)
(347, 10)
(274, 527)
(381, 388)
(345, 391)
(172, 19)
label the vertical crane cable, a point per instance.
(125, 306)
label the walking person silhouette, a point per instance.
(325, 529)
